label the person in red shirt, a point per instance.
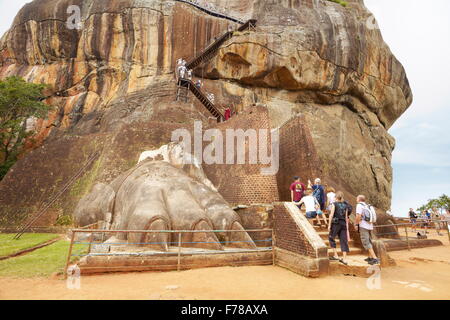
(297, 191)
(227, 114)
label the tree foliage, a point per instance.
(442, 203)
(19, 101)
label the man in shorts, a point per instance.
(365, 228)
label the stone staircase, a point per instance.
(355, 258)
(322, 231)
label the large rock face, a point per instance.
(112, 83)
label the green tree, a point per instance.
(19, 100)
(442, 203)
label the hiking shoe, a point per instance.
(343, 262)
(334, 259)
(373, 261)
(368, 259)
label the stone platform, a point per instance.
(357, 267)
(190, 258)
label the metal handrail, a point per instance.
(47, 206)
(164, 231)
(179, 241)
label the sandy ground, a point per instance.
(419, 274)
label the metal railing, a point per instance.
(33, 218)
(426, 225)
(212, 11)
(176, 246)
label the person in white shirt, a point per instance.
(447, 218)
(365, 228)
(331, 197)
(311, 206)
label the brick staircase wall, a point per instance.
(297, 154)
(244, 183)
(298, 247)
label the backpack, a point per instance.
(421, 235)
(368, 213)
(316, 193)
(340, 209)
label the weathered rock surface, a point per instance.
(113, 85)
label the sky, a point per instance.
(418, 33)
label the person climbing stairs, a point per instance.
(356, 265)
(185, 85)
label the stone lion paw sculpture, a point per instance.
(164, 192)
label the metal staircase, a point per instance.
(211, 12)
(210, 51)
(184, 85)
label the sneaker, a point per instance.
(368, 259)
(334, 259)
(343, 262)
(374, 261)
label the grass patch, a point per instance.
(42, 262)
(28, 240)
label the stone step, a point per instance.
(320, 229)
(353, 251)
(351, 243)
(324, 235)
(357, 267)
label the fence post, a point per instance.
(273, 247)
(179, 251)
(91, 238)
(448, 231)
(69, 255)
(407, 238)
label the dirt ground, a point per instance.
(419, 274)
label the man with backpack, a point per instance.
(365, 219)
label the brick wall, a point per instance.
(258, 217)
(289, 236)
(244, 183)
(298, 156)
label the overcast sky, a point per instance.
(418, 33)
